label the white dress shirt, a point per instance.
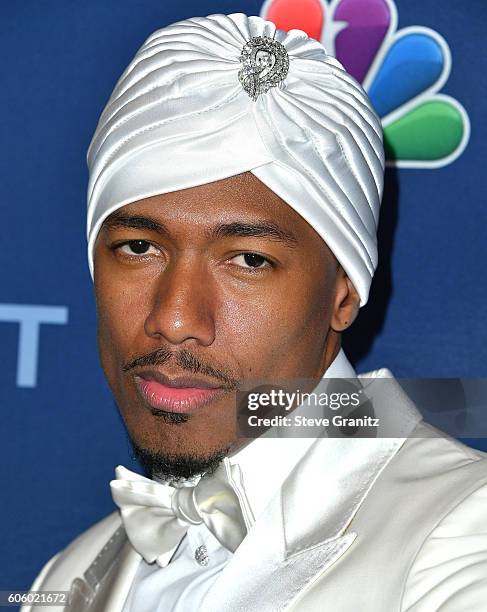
(259, 470)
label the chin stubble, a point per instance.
(159, 465)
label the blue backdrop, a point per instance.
(61, 436)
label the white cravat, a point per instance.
(184, 582)
(157, 515)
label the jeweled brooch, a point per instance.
(265, 63)
(201, 555)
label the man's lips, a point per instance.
(182, 394)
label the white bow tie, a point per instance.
(156, 516)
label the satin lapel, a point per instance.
(325, 490)
(303, 531)
(263, 575)
(116, 586)
(107, 581)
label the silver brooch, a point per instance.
(201, 555)
(265, 63)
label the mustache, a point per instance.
(186, 361)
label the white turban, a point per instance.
(179, 117)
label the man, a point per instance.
(235, 182)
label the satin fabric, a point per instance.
(179, 117)
(156, 515)
(403, 521)
(257, 471)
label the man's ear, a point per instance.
(346, 302)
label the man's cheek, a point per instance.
(115, 339)
(258, 335)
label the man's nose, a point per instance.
(182, 304)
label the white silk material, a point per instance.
(381, 524)
(156, 515)
(179, 117)
(256, 473)
(450, 573)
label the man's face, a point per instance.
(198, 291)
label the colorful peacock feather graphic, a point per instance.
(402, 71)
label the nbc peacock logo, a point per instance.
(401, 70)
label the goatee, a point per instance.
(165, 467)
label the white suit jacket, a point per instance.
(361, 524)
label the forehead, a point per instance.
(242, 197)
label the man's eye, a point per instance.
(250, 260)
(136, 247)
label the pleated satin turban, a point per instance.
(180, 116)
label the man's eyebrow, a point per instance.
(265, 229)
(135, 222)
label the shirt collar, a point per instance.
(270, 459)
